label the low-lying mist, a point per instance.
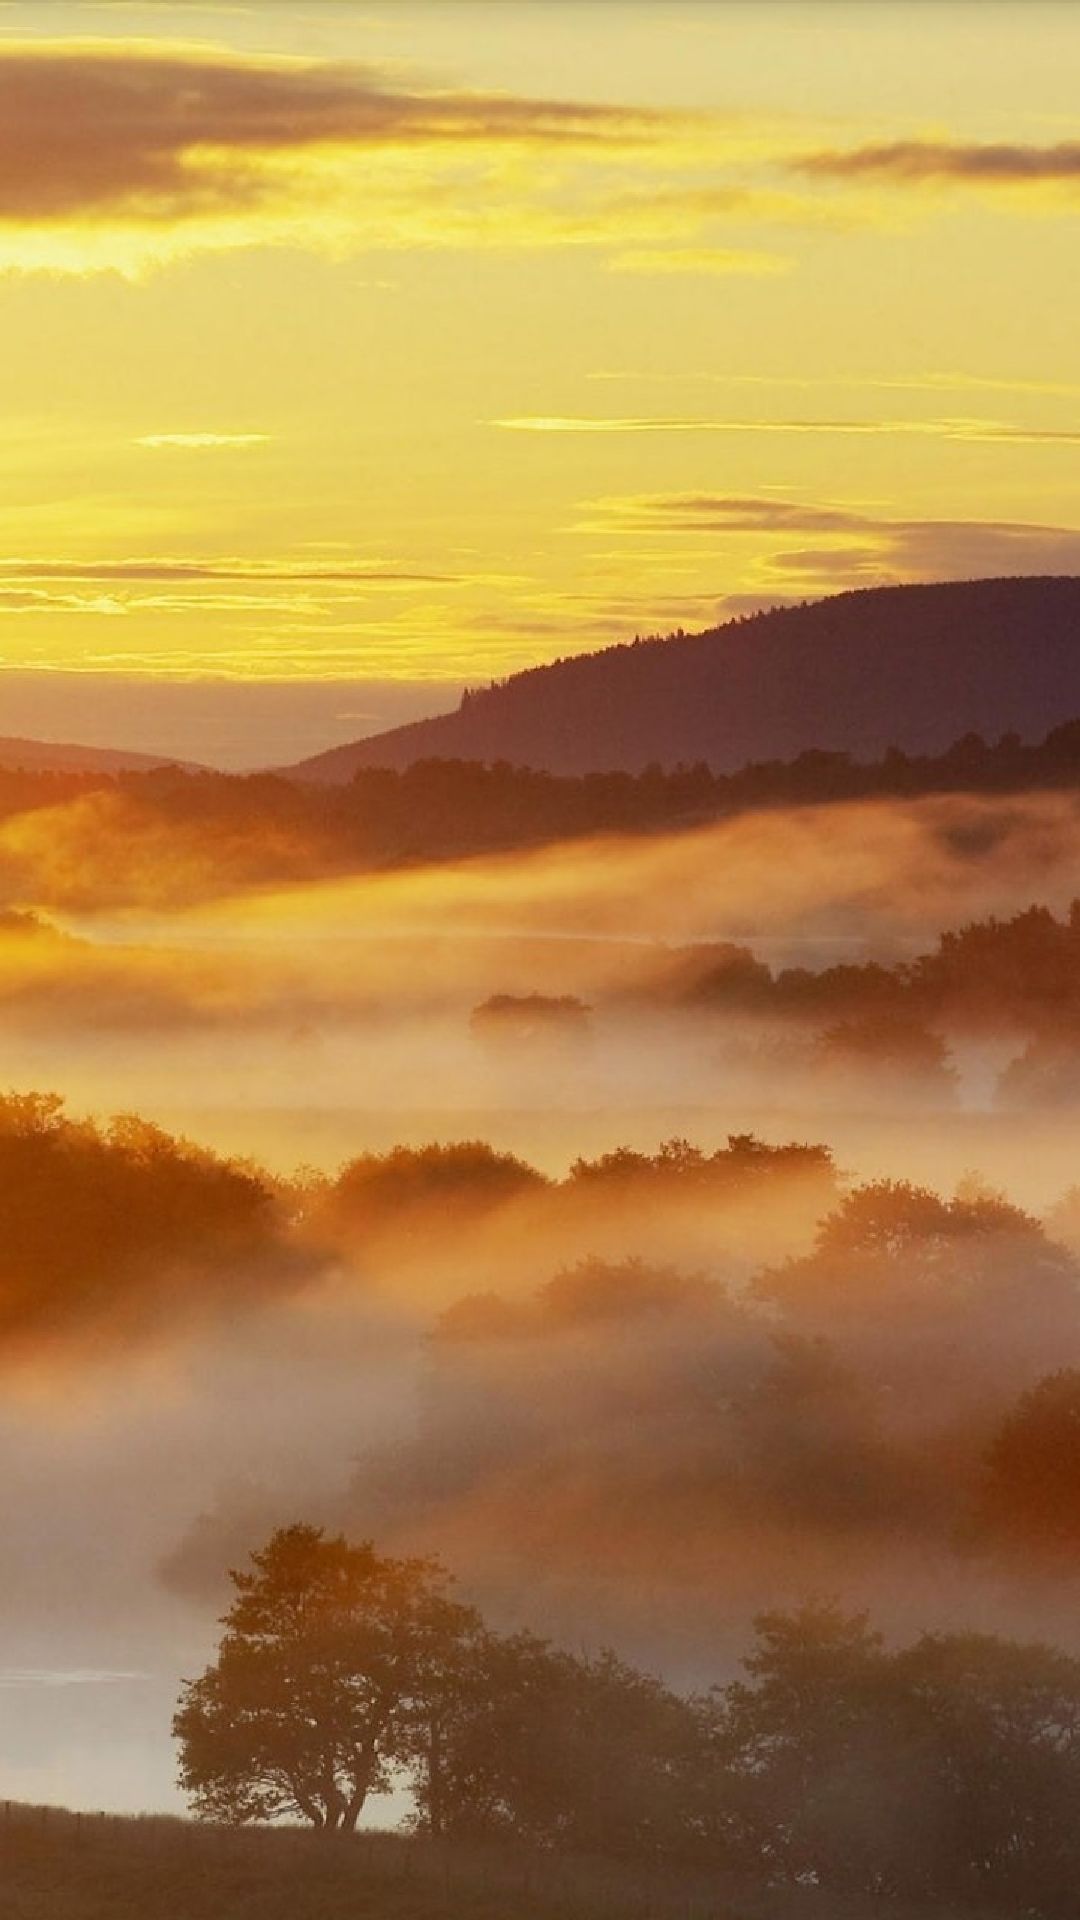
(633, 1331)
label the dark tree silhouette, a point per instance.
(892, 1245)
(531, 1019)
(887, 1046)
(559, 1750)
(412, 1188)
(108, 1228)
(946, 1771)
(328, 1660)
(1031, 1493)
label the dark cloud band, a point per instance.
(91, 131)
(927, 160)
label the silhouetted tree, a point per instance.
(991, 1731)
(1030, 1501)
(329, 1656)
(412, 1188)
(790, 1742)
(1047, 1072)
(949, 1770)
(562, 1751)
(109, 1226)
(890, 1047)
(530, 1019)
(892, 1244)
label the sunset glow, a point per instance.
(413, 309)
(539, 959)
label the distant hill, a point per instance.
(54, 756)
(911, 667)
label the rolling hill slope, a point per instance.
(913, 667)
(54, 756)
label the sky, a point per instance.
(350, 355)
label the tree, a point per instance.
(1031, 1494)
(108, 1226)
(949, 1770)
(993, 1730)
(792, 1781)
(892, 1247)
(535, 1020)
(328, 1657)
(532, 1743)
(416, 1190)
(887, 1049)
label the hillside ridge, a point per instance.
(913, 667)
(64, 756)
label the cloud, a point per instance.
(979, 431)
(731, 513)
(861, 547)
(679, 207)
(91, 129)
(124, 156)
(35, 600)
(251, 571)
(971, 163)
(304, 591)
(196, 440)
(855, 382)
(698, 260)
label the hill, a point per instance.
(909, 667)
(55, 756)
(64, 1866)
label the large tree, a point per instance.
(948, 1771)
(532, 1743)
(329, 1657)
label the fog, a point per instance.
(643, 1450)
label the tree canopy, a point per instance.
(329, 1654)
(947, 1769)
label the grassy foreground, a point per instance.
(56, 1865)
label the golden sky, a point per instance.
(410, 344)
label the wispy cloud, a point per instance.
(125, 155)
(730, 513)
(37, 600)
(677, 207)
(851, 545)
(945, 382)
(198, 440)
(983, 431)
(698, 260)
(974, 163)
(156, 567)
(167, 134)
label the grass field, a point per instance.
(61, 1866)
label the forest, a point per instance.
(945, 1769)
(623, 1463)
(445, 809)
(809, 1414)
(672, 1233)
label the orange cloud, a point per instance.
(92, 131)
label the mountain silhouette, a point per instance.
(912, 667)
(54, 756)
